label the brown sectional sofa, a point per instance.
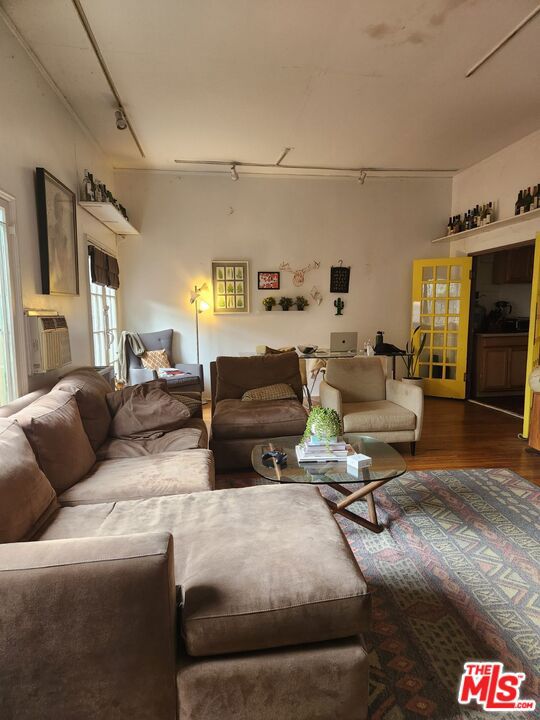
(140, 593)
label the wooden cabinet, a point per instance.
(501, 362)
(514, 265)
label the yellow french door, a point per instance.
(533, 355)
(440, 305)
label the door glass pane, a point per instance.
(441, 290)
(440, 307)
(453, 307)
(427, 289)
(437, 371)
(426, 322)
(425, 355)
(451, 356)
(451, 340)
(438, 340)
(453, 322)
(454, 289)
(442, 272)
(424, 371)
(427, 273)
(455, 272)
(427, 307)
(439, 322)
(450, 372)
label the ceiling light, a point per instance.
(234, 174)
(121, 122)
(362, 177)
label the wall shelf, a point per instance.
(110, 216)
(492, 227)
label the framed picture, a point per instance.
(268, 280)
(230, 280)
(57, 229)
(339, 279)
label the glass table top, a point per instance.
(387, 463)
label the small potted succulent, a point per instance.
(286, 303)
(301, 302)
(323, 426)
(269, 302)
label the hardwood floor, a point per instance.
(460, 434)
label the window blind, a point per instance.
(104, 269)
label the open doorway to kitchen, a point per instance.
(499, 327)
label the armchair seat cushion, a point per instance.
(144, 477)
(234, 419)
(377, 416)
(301, 584)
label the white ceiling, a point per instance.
(353, 83)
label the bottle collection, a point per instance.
(96, 191)
(474, 218)
(528, 200)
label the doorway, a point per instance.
(499, 327)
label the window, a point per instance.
(8, 363)
(103, 303)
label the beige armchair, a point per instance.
(368, 403)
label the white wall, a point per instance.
(498, 178)
(185, 222)
(36, 130)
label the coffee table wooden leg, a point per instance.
(353, 517)
(372, 510)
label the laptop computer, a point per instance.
(344, 342)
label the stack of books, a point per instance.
(331, 452)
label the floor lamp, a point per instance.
(200, 306)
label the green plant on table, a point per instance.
(286, 303)
(324, 423)
(269, 302)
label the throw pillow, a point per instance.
(146, 411)
(27, 498)
(279, 391)
(192, 404)
(155, 359)
(90, 389)
(55, 431)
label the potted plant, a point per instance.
(285, 302)
(323, 426)
(413, 350)
(269, 302)
(301, 302)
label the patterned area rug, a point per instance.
(454, 577)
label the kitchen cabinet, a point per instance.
(500, 363)
(514, 265)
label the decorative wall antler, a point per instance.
(300, 275)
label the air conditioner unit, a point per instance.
(47, 342)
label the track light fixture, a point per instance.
(234, 174)
(362, 177)
(121, 122)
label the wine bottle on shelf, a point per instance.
(519, 203)
(528, 200)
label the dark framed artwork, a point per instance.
(339, 279)
(57, 228)
(268, 280)
(230, 281)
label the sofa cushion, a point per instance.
(144, 411)
(279, 391)
(377, 416)
(193, 435)
(301, 583)
(235, 419)
(144, 477)
(55, 431)
(90, 389)
(235, 375)
(27, 498)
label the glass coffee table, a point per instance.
(387, 464)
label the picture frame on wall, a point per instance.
(268, 280)
(57, 231)
(230, 283)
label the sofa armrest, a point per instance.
(410, 397)
(141, 375)
(88, 625)
(330, 397)
(194, 369)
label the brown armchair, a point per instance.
(238, 425)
